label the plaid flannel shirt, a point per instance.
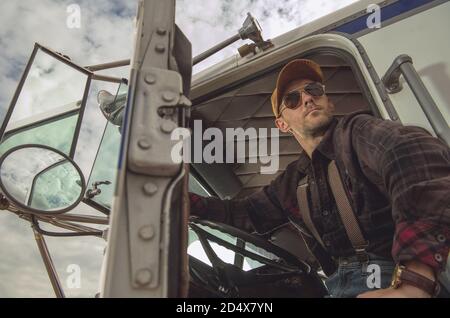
(398, 178)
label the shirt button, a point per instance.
(326, 213)
(438, 257)
(441, 238)
(327, 243)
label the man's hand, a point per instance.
(404, 291)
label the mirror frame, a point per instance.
(16, 95)
(28, 209)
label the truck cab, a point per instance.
(380, 57)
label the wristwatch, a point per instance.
(403, 275)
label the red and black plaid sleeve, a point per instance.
(415, 170)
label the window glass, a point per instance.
(104, 170)
(57, 133)
(196, 187)
(105, 166)
(196, 250)
(50, 84)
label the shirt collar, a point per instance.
(325, 147)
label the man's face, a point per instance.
(311, 118)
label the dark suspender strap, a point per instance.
(303, 204)
(346, 212)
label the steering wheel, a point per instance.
(228, 280)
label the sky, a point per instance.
(106, 34)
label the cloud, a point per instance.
(207, 23)
(22, 271)
(106, 34)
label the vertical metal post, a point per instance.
(427, 103)
(403, 64)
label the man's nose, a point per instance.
(307, 99)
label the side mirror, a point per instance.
(112, 107)
(41, 180)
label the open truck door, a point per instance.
(147, 234)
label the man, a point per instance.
(398, 183)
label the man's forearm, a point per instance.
(231, 212)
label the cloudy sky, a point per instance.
(105, 34)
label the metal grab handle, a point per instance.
(403, 64)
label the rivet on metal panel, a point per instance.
(143, 277)
(161, 31)
(150, 188)
(168, 96)
(144, 144)
(150, 79)
(168, 126)
(147, 232)
(393, 87)
(160, 48)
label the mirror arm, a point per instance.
(36, 226)
(50, 267)
(105, 78)
(68, 225)
(82, 218)
(105, 66)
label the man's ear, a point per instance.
(282, 125)
(332, 107)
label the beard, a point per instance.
(318, 126)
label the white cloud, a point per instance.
(106, 35)
(207, 23)
(103, 36)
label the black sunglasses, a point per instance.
(293, 100)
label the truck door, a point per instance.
(148, 216)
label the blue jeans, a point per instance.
(353, 278)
